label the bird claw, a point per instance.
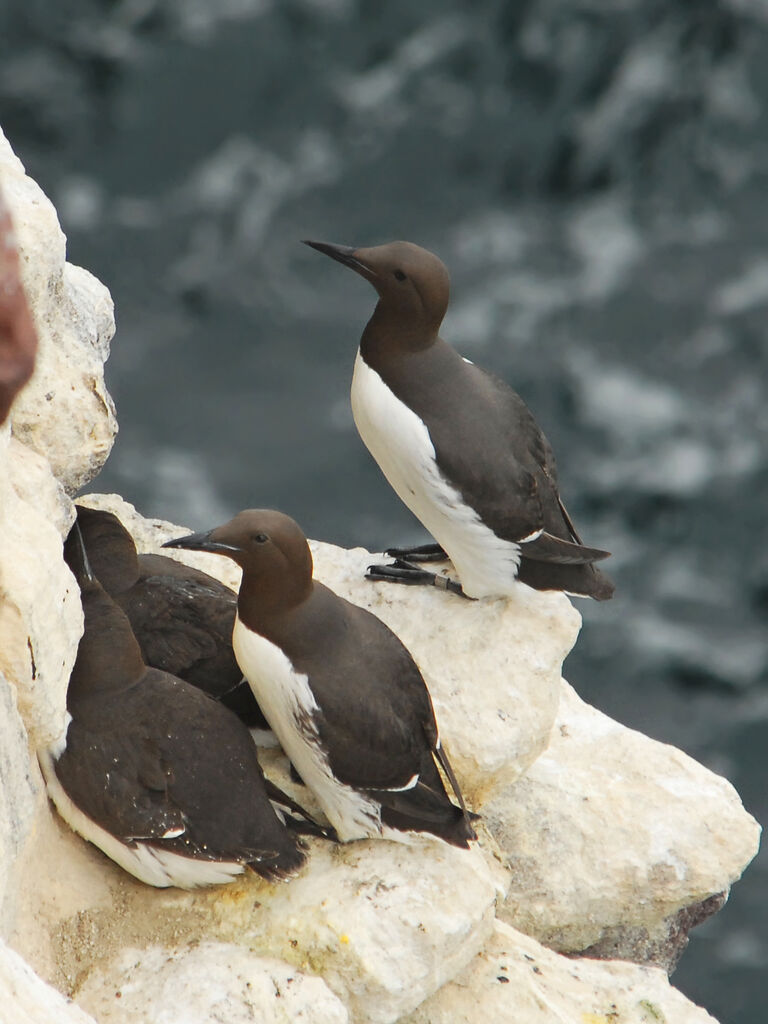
(399, 572)
(424, 553)
(402, 571)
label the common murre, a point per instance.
(182, 617)
(159, 776)
(459, 446)
(341, 692)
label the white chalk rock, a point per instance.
(36, 485)
(65, 412)
(26, 999)
(211, 982)
(515, 980)
(41, 620)
(614, 840)
(384, 924)
(18, 795)
(492, 667)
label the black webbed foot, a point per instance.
(424, 553)
(401, 571)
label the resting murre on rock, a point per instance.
(159, 776)
(341, 692)
(182, 617)
(459, 446)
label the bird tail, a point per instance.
(422, 810)
(579, 580)
(276, 866)
(559, 560)
(548, 548)
(426, 807)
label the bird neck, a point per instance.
(108, 656)
(262, 602)
(392, 331)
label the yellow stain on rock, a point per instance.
(233, 894)
(344, 939)
(652, 1012)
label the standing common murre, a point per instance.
(459, 446)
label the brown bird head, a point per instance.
(110, 548)
(412, 283)
(270, 549)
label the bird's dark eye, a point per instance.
(399, 275)
(260, 538)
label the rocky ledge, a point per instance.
(599, 848)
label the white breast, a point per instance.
(150, 864)
(288, 703)
(399, 441)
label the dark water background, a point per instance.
(593, 172)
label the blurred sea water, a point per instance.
(594, 176)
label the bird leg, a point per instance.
(401, 571)
(424, 553)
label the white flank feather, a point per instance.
(399, 441)
(288, 703)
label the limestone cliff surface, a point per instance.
(593, 838)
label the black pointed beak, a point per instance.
(201, 542)
(342, 254)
